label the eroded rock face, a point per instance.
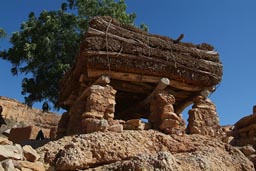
(203, 118)
(14, 110)
(143, 150)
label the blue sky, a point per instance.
(228, 25)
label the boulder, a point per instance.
(7, 165)
(35, 166)
(30, 154)
(5, 141)
(11, 152)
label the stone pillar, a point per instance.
(100, 107)
(203, 118)
(162, 114)
(91, 114)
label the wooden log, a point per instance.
(150, 66)
(141, 78)
(115, 28)
(129, 87)
(178, 109)
(179, 94)
(188, 101)
(163, 83)
(103, 79)
(117, 44)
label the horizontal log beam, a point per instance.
(141, 78)
(188, 101)
(129, 87)
(102, 60)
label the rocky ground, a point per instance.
(142, 150)
(133, 150)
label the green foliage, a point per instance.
(2, 33)
(46, 46)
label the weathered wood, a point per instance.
(183, 105)
(163, 83)
(129, 87)
(188, 101)
(141, 78)
(150, 66)
(124, 76)
(116, 44)
(136, 61)
(161, 42)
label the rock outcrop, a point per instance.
(17, 158)
(244, 133)
(26, 116)
(24, 123)
(142, 150)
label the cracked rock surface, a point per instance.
(142, 150)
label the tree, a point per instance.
(46, 46)
(2, 33)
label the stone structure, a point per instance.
(95, 112)
(203, 118)
(162, 114)
(141, 71)
(90, 114)
(244, 133)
